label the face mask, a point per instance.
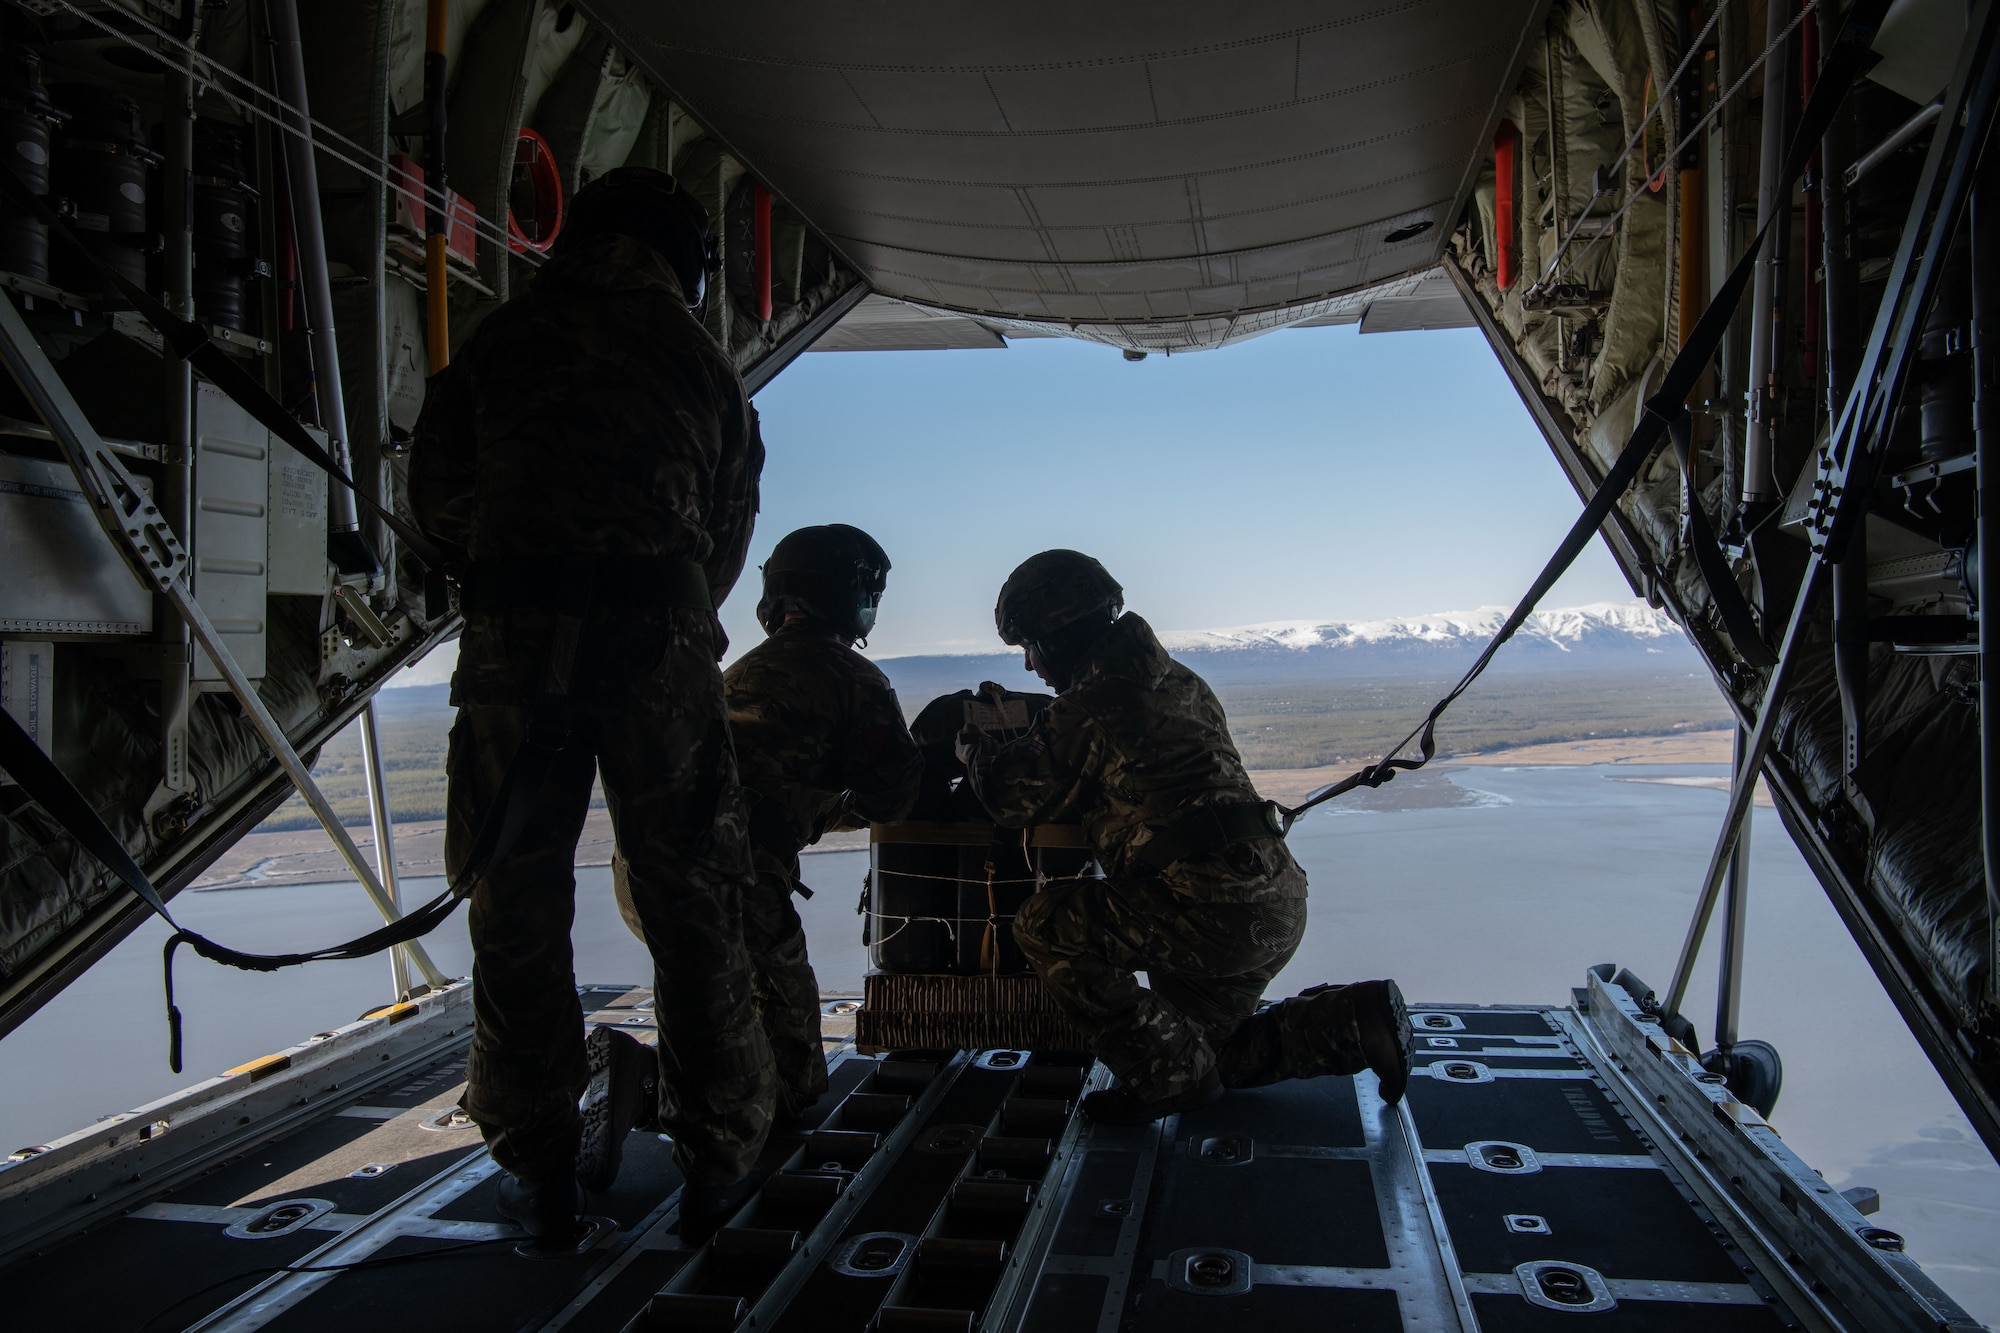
(865, 617)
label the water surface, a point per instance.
(1504, 897)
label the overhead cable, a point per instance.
(1611, 224)
(202, 68)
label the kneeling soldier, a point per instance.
(1201, 892)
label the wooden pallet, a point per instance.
(913, 1012)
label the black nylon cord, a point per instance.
(51, 789)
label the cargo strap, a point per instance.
(765, 832)
(513, 806)
(1665, 411)
(191, 344)
(1211, 829)
(518, 583)
(46, 785)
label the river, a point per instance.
(1500, 887)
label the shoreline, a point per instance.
(305, 856)
(1687, 747)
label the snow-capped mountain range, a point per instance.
(1604, 636)
(1571, 629)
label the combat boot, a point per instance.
(1120, 1106)
(705, 1209)
(1324, 1029)
(1382, 1023)
(548, 1208)
(622, 1095)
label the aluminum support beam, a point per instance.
(385, 839)
(302, 175)
(1760, 485)
(1736, 899)
(176, 488)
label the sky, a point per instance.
(1307, 474)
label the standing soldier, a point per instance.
(1201, 892)
(593, 456)
(821, 745)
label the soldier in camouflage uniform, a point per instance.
(821, 745)
(592, 455)
(1200, 892)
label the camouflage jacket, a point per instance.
(820, 743)
(1136, 742)
(592, 416)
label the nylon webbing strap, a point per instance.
(1211, 828)
(1737, 619)
(51, 789)
(193, 346)
(1846, 62)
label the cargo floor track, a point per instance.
(1548, 1166)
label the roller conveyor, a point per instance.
(1546, 1164)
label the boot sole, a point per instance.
(1386, 1040)
(614, 1102)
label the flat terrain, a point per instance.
(1683, 747)
(1316, 725)
(1626, 716)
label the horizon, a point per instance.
(435, 669)
(1309, 475)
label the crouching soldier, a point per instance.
(820, 745)
(1200, 892)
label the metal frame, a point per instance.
(1447, 1253)
(1147, 1140)
(107, 924)
(302, 175)
(815, 1246)
(176, 490)
(1848, 468)
(1735, 914)
(1930, 1016)
(805, 335)
(99, 1172)
(1713, 1135)
(385, 838)
(1007, 1307)
(157, 557)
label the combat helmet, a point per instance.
(1051, 591)
(649, 206)
(834, 573)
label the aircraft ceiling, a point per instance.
(1165, 176)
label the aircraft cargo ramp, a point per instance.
(1547, 1163)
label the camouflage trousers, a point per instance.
(677, 813)
(1208, 964)
(784, 988)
